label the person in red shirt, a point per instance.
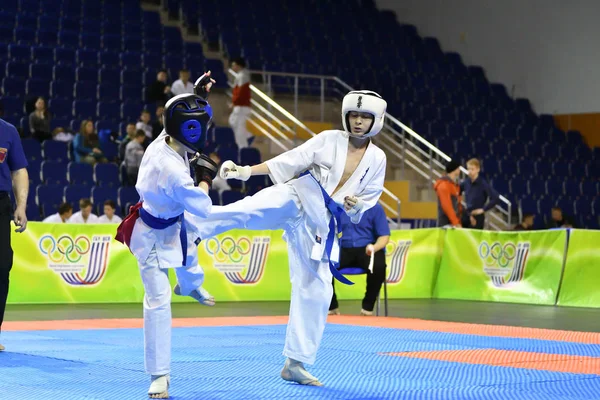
(241, 104)
(448, 192)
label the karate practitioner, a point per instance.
(340, 171)
(157, 230)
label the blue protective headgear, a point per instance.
(187, 118)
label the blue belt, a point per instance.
(160, 224)
(336, 214)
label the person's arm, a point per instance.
(32, 122)
(380, 243)
(445, 198)
(79, 147)
(20, 180)
(356, 206)
(493, 197)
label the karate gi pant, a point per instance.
(278, 207)
(157, 306)
(237, 121)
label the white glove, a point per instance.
(231, 171)
(352, 205)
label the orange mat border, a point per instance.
(381, 322)
(511, 358)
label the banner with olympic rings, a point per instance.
(510, 267)
(579, 287)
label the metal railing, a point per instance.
(269, 118)
(404, 146)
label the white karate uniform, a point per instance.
(240, 113)
(167, 190)
(297, 206)
(104, 219)
(53, 219)
(76, 218)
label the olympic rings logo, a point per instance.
(496, 254)
(227, 249)
(65, 248)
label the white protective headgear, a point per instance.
(365, 101)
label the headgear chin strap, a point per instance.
(364, 101)
(187, 118)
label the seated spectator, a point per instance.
(526, 224)
(86, 144)
(109, 216)
(448, 192)
(144, 124)
(159, 91)
(39, 121)
(61, 135)
(183, 84)
(129, 136)
(558, 220)
(65, 211)
(84, 216)
(157, 126)
(133, 156)
(219, 184)
(358, 242)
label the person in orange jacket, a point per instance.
(448, 192)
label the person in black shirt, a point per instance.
(159, 91)
(479, 196)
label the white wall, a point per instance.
(549, 50)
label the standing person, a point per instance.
(109, 216)
(339, 171)
(448, 193)
(359, 242)
(65, 211)
(240, 103)
(13, 174)
(39, 121)
(159, 91)
(157, 230)
(183, 84)
(479, 195)
(134, 151)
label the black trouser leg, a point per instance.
(348, 258)
(374, 280)
(334, 303)
(6, 254)
(479, 221)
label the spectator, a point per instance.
(65, 211)
(157, 126)
(219, 184)
(526, 224)
(84, 216)
(558, 220)
(448, 192)
(144, 124)
(183, 84)
(241, 104)
(109, 216)
(60, 135)
(358, 242)
(39, 121)
(129, 136)
(479, 195)
(133, 156)
(159, 91)
(86, 144)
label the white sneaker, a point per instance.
(365, 312)
(201, 295)
(159, 387)
(294, 371)
(2, 348)
(335, 311)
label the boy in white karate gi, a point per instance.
(343, 172)
(158, 231)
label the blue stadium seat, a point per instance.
(572, 187)
(127, 195)
(583, 206)
(109, 59)
(518, 186)
(228, 153)
(526, 168)
(501, 185)
(110, 150)
(543, 169)
(596, 206)
(32, 149)
(84, 109)
(13, 86)
(80, 174)
(250, 156)
(33, 213)
(68, 39)
(25, 36)
(106, 175)
(87, 57)
(19, 52)
(109, 110)
(65, 56)
(554, 187)
(589, 188)
(490, 167)
(53, 150)
(73, 193)
(17, 69)
(60, 90)
(91, 41)
(528, 205)
(52, 194)
(130, 93)
(508, 167)
(87, 74)
(130, 111)
(53, 173)
(110, 76)
(230, 196)
(47, 37)
(37, 87)
(108, 92)
(224, 136)
(101, 194)
(214, 197)
(560, 169)
(63, 73)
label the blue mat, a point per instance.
(244, 363)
